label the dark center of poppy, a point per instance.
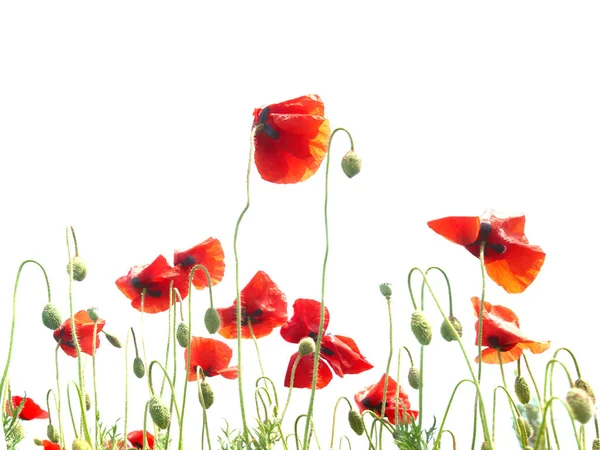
(253, 317)
(313, 336)
(370, 406)
(267, 129)
(136, 283)
(485, 229)
(494, 342)
(153, 294)
(327, 351)
(188, 261)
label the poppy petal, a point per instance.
(490, 355)
(305, 321)
(517, 269)
(210, 254)
(304, 370)
(343, 355)
(460, 230)
(210, 355)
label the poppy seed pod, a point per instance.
(51, 316)
(159, 413)
(80, 444)
(581, 405)
(114, 341)
(486, 446)
(93, 313)
(208, 396)
(212, 321)
(79, 268)
(525, 427)
(385, 289)
(582, 384)
(138, 367)
(351, 164)
(306, 346)
(16, 433)
(414, 377)
(183, 335)
(448, 328)
(522, 390)
(421, 327)
(355, 421)
(52, 434)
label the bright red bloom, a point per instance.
(501, 331)
(156, 277)
(291, 139)
(136, 439)
(371, 398)
(208, 253)
(263, 306)
(84, 327)
(31, 409)
(338, 352)
(510, 260)
(212, 357)
(47, 445)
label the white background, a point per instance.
(131, 120)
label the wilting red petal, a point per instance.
(304, 371)
(371, 398)
(208, 253)
(519, 267)
(31, 410)
(305, 321)
(84, 326)
(47, 445)
(136, 439)
(343, 355)
(460, 230)
(211, 356)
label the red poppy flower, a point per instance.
(501, 331)
(510, 260)
(156, 277)
(208, 253)
(291, 139)
(84, 327)
(31, 409)
(136, 439)
(339, 353)
(212, 357)
(263, 306)
(371, 398)
(47, 445)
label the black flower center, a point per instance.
(253, 317)
(188, 261)
(267, 129)
(136, 283)
(485, 230)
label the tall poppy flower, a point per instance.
(156, 278)
(291, 139)
(263, 306)
(501, 331)
(211, 356)
(371, 398)
(209, 253)
(510, 260)
(84, 327)
(136, 439)
(339, 353)
(31, 410)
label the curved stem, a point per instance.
(436, 444)
(572, 357)
(166, 375)
(334, 415)
(289, 397)
(543, 424)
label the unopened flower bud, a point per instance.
(582, 384)
(596, 444)
(52, 433)
(581, 405)
(351, 164)
(486, 446)
(88, 402)
(525, 427)
(79, 268)
(306, 346)
(385, 289)
(414, 377)
(208, 396)
(421, 327)
(114, 341)
(522, 390)
(212, 321)
(159, 413)
(138, 367)
(16, 433)
(80, 444)
(51, 316)
(93, 313)
(183, 334)
(448, 328)
(356, 423)
(37, 441)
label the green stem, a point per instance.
(166, 375)
(201, 398)
(543, 424)
(334, 416)
(129, 333)
(388, 365)
(289, 397)
(95, 386)
(262, 371)
(436, 444)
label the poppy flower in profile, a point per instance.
(501, 331)
(291, 139)
(208, 253)
(371, 398)
(31, 409)
(156, 278)
(339, 353)
(212, 357)
(84, 327)
(509, 259)
(48, 445)
(263, 306)
(136, 439)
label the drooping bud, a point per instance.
(53, 434)
(114, 341)
(93, 313)
(138, 367)
(37, 441)
(212, 321)
(51, 316)
(486, 446)
(421, 327)
(596, 444)
(79, 268)
(525, 428)
(522, 390)
(385, 289)
(183, 335)
(207, 394)
(356, 423)
(159, 413)
(306, 346)
(582, 384)
(447, 329)
(88, 402)
(414, 377)
(351, 164)
(80, 444)
(581, 405)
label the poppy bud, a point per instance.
(159, 413)
(421, 327)
(183, 335)
(351, 164)
(52, 433)
(525, 427)
(80, 444)
(486, 446)
(212, 321)
(93, 313)
(596, 444)
(582, 384)
(414, 377)
(79, 268)
(16, 433)
(306, 346)
(138, 367)
(51, 317)
(522, 390)
(208, 396)
(448, 326)
(356, 423)
(37, 441)
(115, 342)
(385, 289)
(581, 405)
(88, 402)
